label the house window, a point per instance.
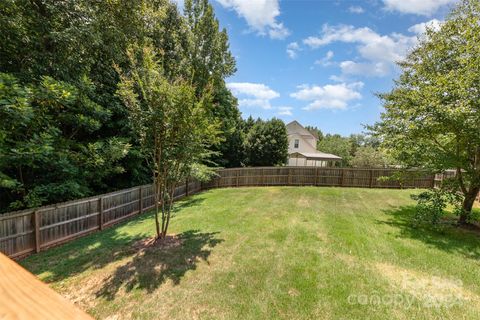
(296, 143)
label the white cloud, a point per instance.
(336, 78)
(327, 60)
(372, 46)
(378, 69)
(420, 28)
(380, 51)
(419, 7)
(261, 16)
(356, 9)
(292, 50)
(330, 96)
(285, 111)
(253, 94)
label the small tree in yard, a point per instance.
(174, 127)
(432, 116)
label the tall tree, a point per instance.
(432, 115)
(209, 51)
(68, 42)
(173, 125)
(229, 153)
(212, 62)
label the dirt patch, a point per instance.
(303, 202)
(294, 292)
(170, 241)
(348, 259)
(431, 290)
(82, 294)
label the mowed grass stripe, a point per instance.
(275, 252)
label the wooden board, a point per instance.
(22, 296)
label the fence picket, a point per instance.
(31, 230)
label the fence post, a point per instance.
(186, 187)
(37, 231)
(342, 177)
(371, 178)
(238, 174)
(100, 213)
(289, 180)
(316, 176)
(140, 200)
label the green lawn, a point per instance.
(274, 253)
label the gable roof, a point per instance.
(303, 131)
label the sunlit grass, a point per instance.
(269, 253)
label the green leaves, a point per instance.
(369, 157)
(62, 119)
(42, 143)
(432, 205)
(337, 145)
(174, 126)
(266, 143)
(432, 116)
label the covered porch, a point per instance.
(317, 159)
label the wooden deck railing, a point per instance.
(24, 297)
(33, 230)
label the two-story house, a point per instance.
(302, 148)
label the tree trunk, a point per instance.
(162, 234)
(169, 208)
(467, 205)
(157, 196)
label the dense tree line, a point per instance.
(356, 150)
(64, 131)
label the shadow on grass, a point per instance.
(448, 238)
(99, 249)
(187, 203)
(153, 266)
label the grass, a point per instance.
(274, 253)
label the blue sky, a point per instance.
(320, 62)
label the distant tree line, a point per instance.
(356, 150)
(66, 133)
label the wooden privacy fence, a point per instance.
(32, 230)
(312, 176)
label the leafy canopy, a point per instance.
(432, 115)
(174, 127)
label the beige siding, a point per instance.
(303, 146)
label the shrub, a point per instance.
(432, 204)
